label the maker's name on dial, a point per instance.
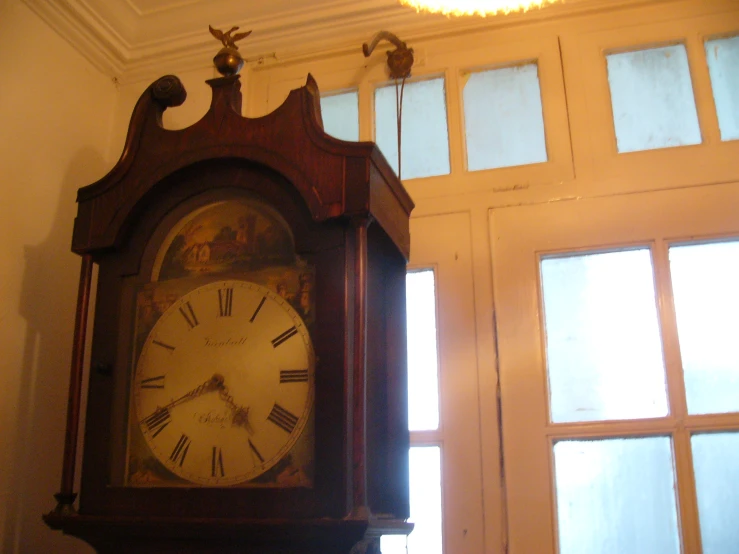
(240, 341)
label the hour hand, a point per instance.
(240, 413)
(241, 417)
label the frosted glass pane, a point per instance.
(616, 496)
(604, 354)
(425, 134)
(425, 493)
(503, 118)
(704, 284)
(652, 98)
(723, 64)
(716, 462)
(423, 371)
(341, 115)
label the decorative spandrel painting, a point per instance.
(227, 236)
(243, 240)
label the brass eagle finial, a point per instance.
(228, 61)
(226, 38)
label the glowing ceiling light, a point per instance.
(475, 7)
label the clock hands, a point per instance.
(214, 383)
(240, 414)
(217, 382)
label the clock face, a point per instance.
(223, 387)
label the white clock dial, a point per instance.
(224, 384)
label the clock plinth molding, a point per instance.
(349, 214)
(161, 535)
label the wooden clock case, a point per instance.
(349, 215)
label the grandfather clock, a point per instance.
(248, 387)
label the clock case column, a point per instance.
(342, 189)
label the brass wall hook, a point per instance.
(399, 61)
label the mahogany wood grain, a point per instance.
(349, 215)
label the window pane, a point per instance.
(616, 496)
(723, 64)
(716, 462)
(425, 492)
(704, 285)
(423, 378)
(341, 115)
(604, 354)
(503, 119)
(652, 98)
(425, 135)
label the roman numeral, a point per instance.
(278, 340)
(157, 421)
(225, 301)
(293, 376)
(180, 450)
(189, 315)
(255, 452)
(259, 307)
(153, 382)
(216, 466)
(282, 418)
(163, 345)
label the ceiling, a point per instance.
(132, 40)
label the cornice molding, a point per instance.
(109, 41)
(89, 34)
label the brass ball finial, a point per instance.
(228, 61)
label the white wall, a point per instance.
(55, 117)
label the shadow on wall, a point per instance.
(47, 303)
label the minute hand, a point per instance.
(214, 383)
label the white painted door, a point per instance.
(446, 474)
(616, 321)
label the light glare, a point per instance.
(474, 7)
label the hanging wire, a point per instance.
(399, 113)
(399, 62)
